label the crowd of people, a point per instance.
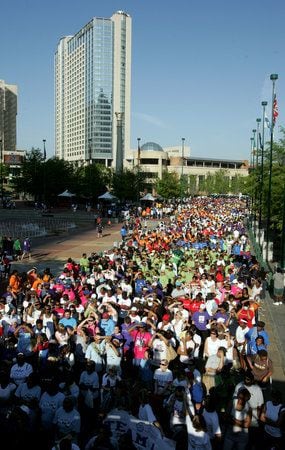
(163, 329)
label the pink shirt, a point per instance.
(141, 341)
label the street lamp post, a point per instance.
(90, 150)
(120, 150)
(256, 196)
(282, 259)
(273, 78)
(251, 152)
(1, 171)
(254, 152)
(254, 148)
(258, 121)
(139, 151)
(138, 168)
(182, 169)
(44, 174)
(263, 104)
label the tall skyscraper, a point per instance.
(8, 117)
(93, 85)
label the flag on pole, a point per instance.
(267, 122)
(275, 112)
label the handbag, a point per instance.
(170, 353)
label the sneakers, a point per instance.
(276, 303)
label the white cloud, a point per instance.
(150, 119)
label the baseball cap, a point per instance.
(166, 317)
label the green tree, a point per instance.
(128, 184)
(91, 181)
(258, 183)
(169, 185)
(31, 181)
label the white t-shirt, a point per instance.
(27, 394)
(159, 350)
(197, 440)
(67, 422)
(48, 405)
(240, 415)
(163, 378)
(256, 400)
(19, 374)
(146, 413)
(212, 422)
(272, 412)
(91, 382)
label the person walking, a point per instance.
(278, 287)
(99, 229)
(17, 249)
(26, 248)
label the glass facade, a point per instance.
(92, 79)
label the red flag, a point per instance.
(275, 112)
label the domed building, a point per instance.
(151, 147)
(153, 160)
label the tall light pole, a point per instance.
(282, 259)
(253, 166)
(139, 151)
(90, 151)
(44, 174)
(182, 169)
(258, 121)
(263, 104)
(256, 195)
(254, 147)
(138, 169)
(1, 170)
(251, 151)
(273, 78)
(89, 168)
(120, 150)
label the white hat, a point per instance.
(202, 306)
(133, 308)
(235, 281)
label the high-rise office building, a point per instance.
(92, 92)
(8, 117)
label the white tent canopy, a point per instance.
(66, 193)
(149, 197)
(107, 196)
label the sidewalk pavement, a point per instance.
(274, 318)
(53, 252)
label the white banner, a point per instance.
(145, 435)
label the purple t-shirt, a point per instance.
(221, 316)
(200, 319)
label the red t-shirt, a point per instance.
(248, 315)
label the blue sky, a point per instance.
(200, 69)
